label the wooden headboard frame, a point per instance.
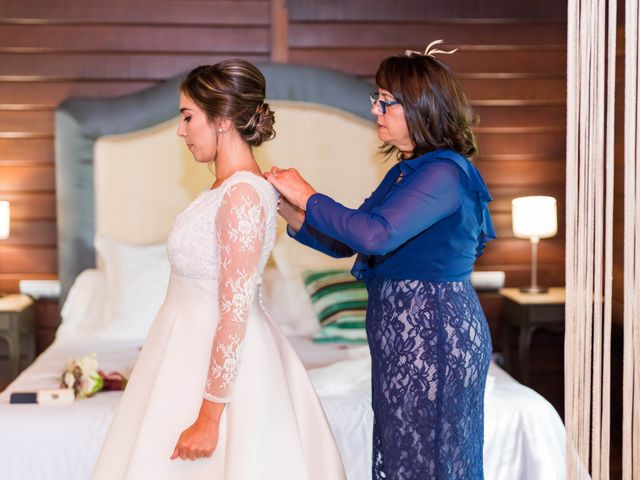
(81, 121)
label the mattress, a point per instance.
(524, 437)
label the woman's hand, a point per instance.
(200, 439)
(291, 214)
(291, 185)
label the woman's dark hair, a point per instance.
(233, 89)
(436, 109)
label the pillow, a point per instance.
(340, 303)
(83, 311)
(288, 304)
(292, 259)
(487, 280)
(137, 280)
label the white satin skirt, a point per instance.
(274, 427)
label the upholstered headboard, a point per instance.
(121, 170)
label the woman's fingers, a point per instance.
(175, 453)
(291, 185)
(184, 455)
(182, 451)
(283, 171)
(279, 177)
(275, 178)
(192, 454)
(185, 452)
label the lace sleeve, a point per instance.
(240, 229)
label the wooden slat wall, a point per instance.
(511, 62)
(50, 51)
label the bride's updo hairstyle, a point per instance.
(233, 89)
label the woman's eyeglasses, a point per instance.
(383, 104)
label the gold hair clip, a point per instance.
(430, 51)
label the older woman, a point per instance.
(417, 237)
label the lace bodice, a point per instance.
(226, 234)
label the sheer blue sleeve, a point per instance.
(422, 199)
(312, 237)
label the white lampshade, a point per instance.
(534, 217)
(4, 219)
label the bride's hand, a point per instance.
(198, 441)
(291, 185)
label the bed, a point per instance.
(122, 175)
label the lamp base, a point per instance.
(534, 290)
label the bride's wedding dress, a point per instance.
(212, 338)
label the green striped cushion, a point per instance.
(340, 302)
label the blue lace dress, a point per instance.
(417, 237)
(430, 351)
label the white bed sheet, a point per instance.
(524, 437)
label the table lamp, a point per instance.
(534, 218)
(4, 219)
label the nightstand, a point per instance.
(528, 313)
(16, 323)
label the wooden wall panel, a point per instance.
(410, 34)
(27, 178)
(28, 259)
(133, 38)
(51, 51)
(365, 62)
(412, 10)
(41, 233)
(511, 64)
(32, 206)
(524, 141)
(145, 12)
(106, 66)
(502, 195)
(25, 148)
(47, 95)
(547, 88)
(517, 251)
(25, 121)
(519, 113)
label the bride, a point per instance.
(217, 391)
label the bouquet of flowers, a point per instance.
(86, 380)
